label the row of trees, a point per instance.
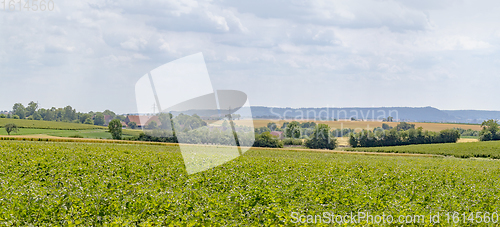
(393, 137)
(320, 138)
(66, 114)
(490, 131)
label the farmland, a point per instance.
(47, 124)
(490, 149)
(435, 127)
(93, 184)
(40, 129)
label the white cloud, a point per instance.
(313, 45)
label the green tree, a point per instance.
(84, 117)
(88, 121)
(115, 128)
(386, 126)
(49, 114)
(11, 128)
(19, 110)
(110, 113)
(403, 126)
(36, 116)
(132, 125)
(31, 108)
(292, 130)
(353, 141)
(272, 126)
(15, 116)
(69, 114)
(267, 140)
(3, 116)
(490, 131)
(321, 138)
(99, 119)
(151, 125)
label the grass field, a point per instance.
(85, 133)
(94, 184)
(363, 124)
(47, 124)
(490, 149)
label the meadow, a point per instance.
(44, 129)
(49, 183)
(22, 123)
(488, 149)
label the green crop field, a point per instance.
(49, 183)
(22, 123)
(490, 149)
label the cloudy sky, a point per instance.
(90, 54)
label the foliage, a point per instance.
(272, 126)
(403, 126)
(490, 131)
(291, 141)
(308, 124)
(3, 116)
(132, 125)
(321, 138)
(353, 142)
(11, 128)
(393, 137)
(19, 110)
(15, 116)
(151, 125)
(292, 130)
(184, 121)
(261, 130)
(31, 108)
(88, 121)
(99, 119)
(115, 128)
(136, 185)
(267, 140)
(467, 132)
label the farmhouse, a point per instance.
(142, 120)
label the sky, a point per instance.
(318, 53)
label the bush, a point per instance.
(11, 128)
(3, 116)
(15, 116)
(321, 138)
(115, 128)
(267, 140)
(290, 141)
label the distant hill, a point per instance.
(427, 114)
(417, 114)
(473, 116)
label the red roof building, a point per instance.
(142, 120)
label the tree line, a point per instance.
(66, 114)
(406, 134)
